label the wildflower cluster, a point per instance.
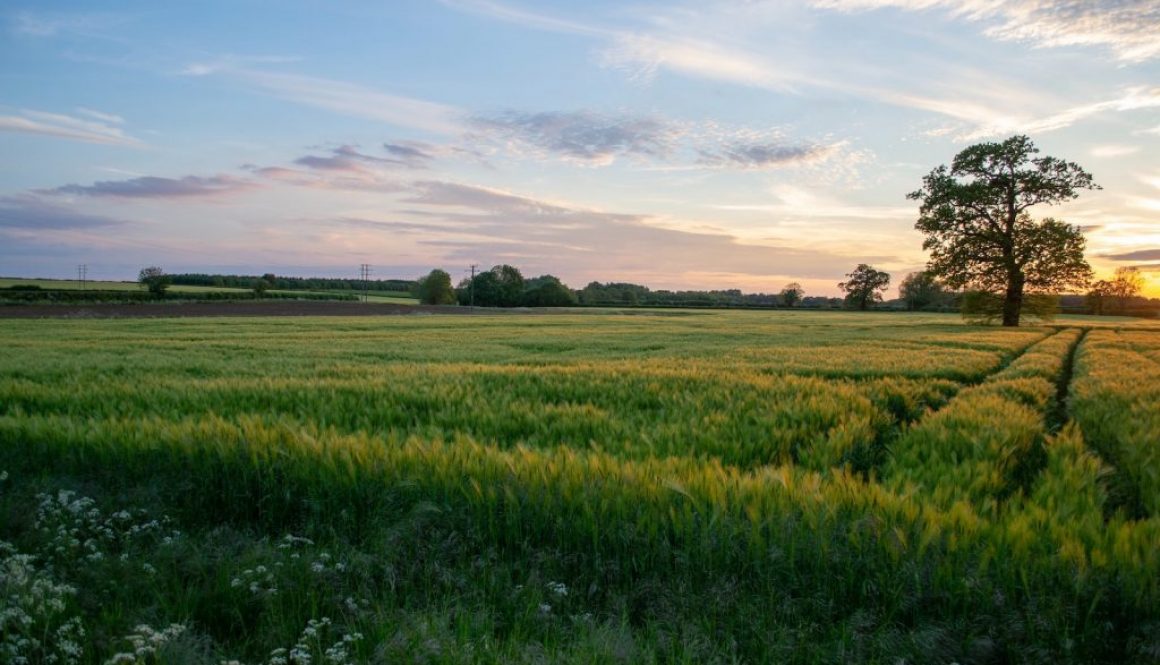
(293, 553)
(311, 647)
(259, 580)
(146, 643)
(35, 626)
(77, 529)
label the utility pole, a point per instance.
(365, 273)
(82, 274)
(471, 288)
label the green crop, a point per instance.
(658, 487)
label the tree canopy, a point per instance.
(1120, 290)
(863, 285)
(979, 233)
(547, 291)
(922, 290)
(154, 279)
(436, 289)
(502, 286)
(792, 294)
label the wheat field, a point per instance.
(642, 487)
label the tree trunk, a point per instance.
(1013, 300)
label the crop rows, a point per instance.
(669, 489)
(987, 443)
(1116, 400)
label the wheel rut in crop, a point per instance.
(1059, 414)
(1125, 482)
(870, 459)
(987, 442)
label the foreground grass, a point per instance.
(697, 488)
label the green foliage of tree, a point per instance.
(1098, 297)
(261, 286)
(502, 286)
(548, 291)
(154, 279)
(435, 288)
(923, 291)
(986, 308)
(1116, 294)
(792, 294)
(613, 293)
(1126, 285)
(978, 231)
(863, 286)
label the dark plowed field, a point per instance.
(272, 308)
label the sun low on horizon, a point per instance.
(684, 145)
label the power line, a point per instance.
(365, 274)
(82, 274)
(471, 287)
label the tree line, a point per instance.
(283, 283)
(505, 286)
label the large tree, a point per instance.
(863, 285)
(978, 230)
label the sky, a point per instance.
(682, 144)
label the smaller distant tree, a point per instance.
(1099, 296)
(502, 286)
(921, 290)
(435, 288)
(1126, 284)
(260, 286)
(863, 286)
(548, 291)
(792, 294)
(154, 279)
(510, 285)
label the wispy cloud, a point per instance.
(232, 62)
(33, 214)
(799, 204)
(643, 55)
(599, 139)
(527, 19)
(1127, 28)
(50, 24)
(151, 187)
(764, 155)
(346, 158)
(1137, 255)
(985, 121)
(415, 154)
(1105, 151)
(96, 128)
(357, 101)
(581, 136)
(349, 180)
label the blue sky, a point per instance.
(703, 144)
